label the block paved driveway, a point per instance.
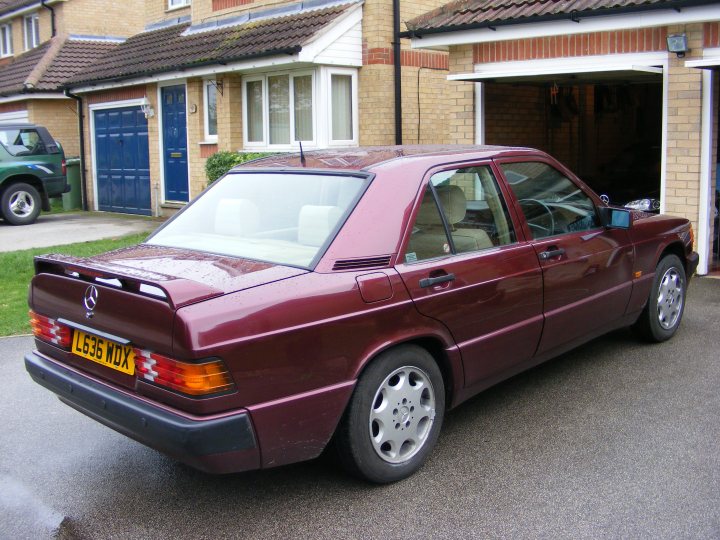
(617, 439)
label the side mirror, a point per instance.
(615, 218)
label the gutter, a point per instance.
(88, 84)
(81, 130)
(575, 16)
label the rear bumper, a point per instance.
(216, 445)
(56, 185)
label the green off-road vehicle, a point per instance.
(32, 170)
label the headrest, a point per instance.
(452, 199)
(316, 222)
(236, 217)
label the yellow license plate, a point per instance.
(103, 351)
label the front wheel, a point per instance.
(394, 416)
(664, 309)
(20, 204)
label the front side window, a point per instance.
(6, 47)
(172, 4)
(279, 109)
(32, 31)
(551, 202)
(276, 217)
(473, 210)
(210, 111)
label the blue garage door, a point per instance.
(122, 161)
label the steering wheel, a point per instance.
(546, 224)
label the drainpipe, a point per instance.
(81, 130)
(397, 72)
(52, 17)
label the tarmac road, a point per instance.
(616, 439)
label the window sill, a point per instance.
(208, 142)
(176, 8)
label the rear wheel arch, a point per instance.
(435, 347)
(34, 181)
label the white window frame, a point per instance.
(178, 4)
(265, 144)
(206, 111)
(6, 40)
(31, 41)
(353, 73)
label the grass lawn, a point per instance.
(16, 270)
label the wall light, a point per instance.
(678, 44)
(146, 108)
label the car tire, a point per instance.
(20, 204)
(394, 416)
(663, 312)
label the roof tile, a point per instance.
(460, 13)
(168, 49)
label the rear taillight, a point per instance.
(209, 377)
(64, 168)
(50, 330)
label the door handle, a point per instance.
(551, 252)
(430, 281)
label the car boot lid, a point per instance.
(182, 277)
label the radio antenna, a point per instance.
(302, 155)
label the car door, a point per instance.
(464, 266)
(587, 268)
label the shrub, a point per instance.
(221, 162)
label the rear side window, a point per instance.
(469, 202)
(22, 141)
(551, 202)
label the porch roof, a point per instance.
(178, 47)
(467, 14)
(47, 67)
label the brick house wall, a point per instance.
(157, 10)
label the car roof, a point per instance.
(368, 157)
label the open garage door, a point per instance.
(604, 121)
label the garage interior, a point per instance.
(606, 130)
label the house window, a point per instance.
(279, 109)
(210, 100)
(174, 4)
(6, 48)
(341, 104)
(316, 107)
(32, 31)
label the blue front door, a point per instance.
(122, 160)
(175, 143)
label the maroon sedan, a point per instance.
(348, 297)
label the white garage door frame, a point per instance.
(14, 117)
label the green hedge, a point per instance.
(221, 162)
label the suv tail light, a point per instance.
(210, 377)
(64, 168)
(50, 330)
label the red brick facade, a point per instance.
(207, 150)
(597, 43)
(13, 106)
(384, 55)
(711, 35)
(134, 92)
(217, 5)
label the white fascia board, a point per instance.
(647, 62)
(331, 34)
(711, 57)
(25, 10)
(272, 61)
(34, 95)
(642, 19)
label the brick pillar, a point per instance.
(684, 116)
(195, 134)
(229, 113)
(460, 98)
